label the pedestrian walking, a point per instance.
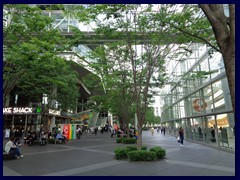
(152, 131)
(164, 130)
(79, 132)
(181, 136)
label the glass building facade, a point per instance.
(197, 98)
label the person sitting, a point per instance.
(64, 137)
(43, 138)
(17, 142)
(29, 139)
(12, 149)
(60, 137)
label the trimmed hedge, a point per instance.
(51, 141)
(126, 140)
(142, 155)
(121, 153)
(134, 148)
(118, 140)
(129, 141)
(133, 154)
(160, 152)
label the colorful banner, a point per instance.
(69, 130)
(66, 130)
(73, 131)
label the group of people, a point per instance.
(180, 133)
(162, 129)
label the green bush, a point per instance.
(133, 154)
(129, 141)
(142, 155)
(121, 153)
(118, 140)
(51, 141)
(144, 148)
(160, 152)
(134, 148)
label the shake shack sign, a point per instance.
(18, 110)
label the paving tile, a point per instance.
(94, 156)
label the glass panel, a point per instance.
(216, 64)
(188, 106)
(207, 98)
(226, 94)
(204, 66)
(181, 109)
(188, 131)
(175, 112)
(219, 102)
(210, 130)
(177, 125)
(226, 131)
(196, 103)
(198, 129)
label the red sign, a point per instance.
(199, 104)
(66, 130)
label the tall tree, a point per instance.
(144, 50)
(116, 80)
(223, 25)
(31, 60)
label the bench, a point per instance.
(58, 141)
(7, 156)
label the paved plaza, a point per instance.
(94, 156)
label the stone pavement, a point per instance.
(94, 156)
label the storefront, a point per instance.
(18, 120)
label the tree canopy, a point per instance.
(31, 61)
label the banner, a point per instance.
(66, 130)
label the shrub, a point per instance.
(144, 148)
(134, 148)
(51, 141)
(160, 152)
(129, 141)
(118, 140)
(142, 155)
(133, 154)
(121, 153)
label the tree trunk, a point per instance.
(224, 31)
(139, 141)
(229, 62)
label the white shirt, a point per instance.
(9, 145)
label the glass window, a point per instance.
(207, 98)
(204, 67)
(196, 103)
(175, 111)
(210, 130)
(226, 132)
(218, 98)
(216, 64)
(188, 106)
(181, 109)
